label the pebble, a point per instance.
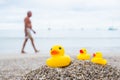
(77, 70)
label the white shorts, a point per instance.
(29, 35)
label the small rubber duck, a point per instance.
(83, 55)
(58, 57)
(98, 58)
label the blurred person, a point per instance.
(28, 29)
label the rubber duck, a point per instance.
(98, 58)
(58, 57)
(83, 55)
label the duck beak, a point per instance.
(94, 55)
(81, 51)
(54, 52)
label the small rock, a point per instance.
(78, 70)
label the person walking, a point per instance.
(28, 29)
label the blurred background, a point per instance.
(74, 24)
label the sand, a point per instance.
(14, 67)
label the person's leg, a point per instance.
(22, 51)
(32, 42)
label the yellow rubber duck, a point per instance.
(83, 55)
(98, 58)
(58, 57)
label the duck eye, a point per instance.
(60, 48)
(51, 49)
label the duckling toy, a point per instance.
(83, 55)
(98, 58)
(58, 57)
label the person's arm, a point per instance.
(28, 24)
(25, 30)
(33, 31)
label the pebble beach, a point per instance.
(33, 67)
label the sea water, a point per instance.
(106, 41)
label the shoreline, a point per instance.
(39, 54)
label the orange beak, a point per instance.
(54, 52)
(94, 55)
(81, 51)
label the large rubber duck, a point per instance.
(98, 58)
(58, 57)
(83, 55)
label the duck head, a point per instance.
(98, 54)
(57, 50)
(83, 51)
